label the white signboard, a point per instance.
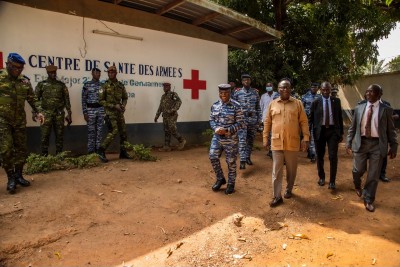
(193, 67)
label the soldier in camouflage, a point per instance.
(307, 100)
(93, 112)
(249, 100)
(113, 97)
(226, 119)
(15, 89)
(169, 105)
(53, 99)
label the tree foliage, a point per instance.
(394, 64)
(322, 40)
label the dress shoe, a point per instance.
(276, 201)
(359, 192)
(384, 179)
(102, 155)
(218, 184)
(332, 186)
(369, 206)
(243, 165)
(313, 159)
(19, 179)
(249, 162)
(269, 154)
(321, 182)
(288, 194)
(229, 189)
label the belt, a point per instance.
(370, 138)
(93, 105)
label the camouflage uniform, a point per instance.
(169, 105)
(95, 112)
(111, 94)
(229, 116)
(53, 98)
(13, 94)
(249, 100)
(307, 100)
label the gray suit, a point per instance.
(372, 149)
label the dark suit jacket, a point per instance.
(317, 116)
(386, 129)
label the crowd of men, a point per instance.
(101, 102)
(290, 124)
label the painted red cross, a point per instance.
(195, 84)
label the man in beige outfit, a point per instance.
(285, 118)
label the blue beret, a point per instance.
(245, 75)
(224, 86)
(14, 57)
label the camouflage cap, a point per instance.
(14, 57)
(112, 68)
(224, 86)
(51, 68)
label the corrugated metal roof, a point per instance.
(207, 15)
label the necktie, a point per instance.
(369, 120)
(326, 114)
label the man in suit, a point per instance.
(327, 122)
(369, 135)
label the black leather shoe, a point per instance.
(124, 155)
(230, 188)
(269, 154)
(288, 194)
(369, 206)
(384, 179)
(276, 201)
(11, 183)
(321, 182)
(19, 179)
(102, 155)
(243, 165)
(359, 192)
(249, 162)
(332, 186)
(313, 159)
(218, 184)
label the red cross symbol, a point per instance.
(195, 84)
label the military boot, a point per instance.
(11, 184)
(123, 154)
(102, 155)
(218, 184)
(230, 188)
(19, 178)
(248, 161)
(165, 149)
(242, 165)
(182, 143)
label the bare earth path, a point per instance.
(164, 214)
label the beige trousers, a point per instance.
(279, 158)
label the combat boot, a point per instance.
(248, 161)
(230, 188)
(165, 149)
(182, 144)
(19, 178)
(123, 154)
(102, 155)
(218, 184)
(11, 184)
(242, 165)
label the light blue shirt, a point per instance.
(330, 110)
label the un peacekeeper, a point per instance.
(169, 106)
(249, 100)
(307, 100)
(93, 112)
(53, 99)
(226, 119)
(15, 89)
(113, 97)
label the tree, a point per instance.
(375, 67)
(394, 64)
(322, 40)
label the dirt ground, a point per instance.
(127, 213)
